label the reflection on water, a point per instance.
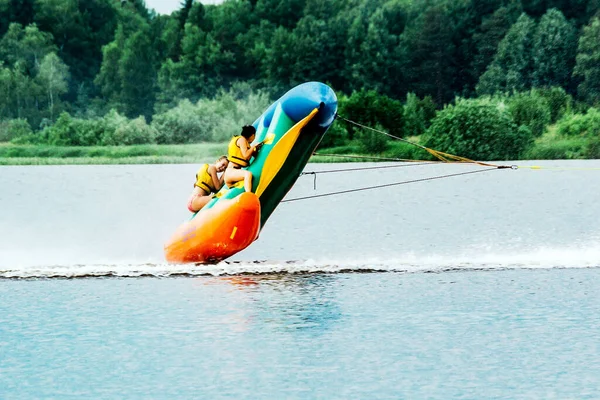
(300, 302)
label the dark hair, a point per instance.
(248, 131)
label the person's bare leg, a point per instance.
(232, 176)
(248, 181)
(200, 201)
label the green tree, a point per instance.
(172, 86)
(328, 9)
(358, 24)
(583, 125)
(580, 10)
(80, 29)
(284, 13)
(129, 132)
(4, 16)
(127, 78)
(324, 43)
(25, 93)
(197, 15)
(21, 11)
(488, 35)
(53, 78)
(204, 66)
(108, 79)
(227, 25)
(512, 67)
(137, 76)
(25, 45)
(22, 50)
(136, 8)
(430, 51)
(180, 17)
(414, 118)
(380, 65)
(14, 129)
(6, 91)
(479, 129)
(370, 108)
(531, 110)
(554, 48)
(210, 119)
(279, 56)
(587, 67)
(63, 132)
(558, 100)
(256, 42)
(417, 114)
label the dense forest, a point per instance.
(76, 72)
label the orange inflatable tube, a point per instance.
(217, 233)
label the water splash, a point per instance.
(543, 258)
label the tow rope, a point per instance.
(443, 158)
(388, 185)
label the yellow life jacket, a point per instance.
(204, 180)
(235, 153)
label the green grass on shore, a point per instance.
(550, 146)
(395, 150)
(11, 154)
(138, 154)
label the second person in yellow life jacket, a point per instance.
(207, 182)
(239, 154)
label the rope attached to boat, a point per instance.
(388, 185)
(354, 156)
(444, 157)
(441, 156)
(331, 171)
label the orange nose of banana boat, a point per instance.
(217, 233)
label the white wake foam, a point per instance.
(410, 263)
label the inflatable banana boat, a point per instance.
(291, 129)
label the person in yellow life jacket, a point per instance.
(207, 182)
(239, 154)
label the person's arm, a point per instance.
(243, 144)
(217, 183)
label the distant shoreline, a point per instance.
(547, 147)
(11, 154)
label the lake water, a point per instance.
(479, 286)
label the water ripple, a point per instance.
(159, 270)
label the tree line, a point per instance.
(98, 60)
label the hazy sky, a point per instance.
(168, 6)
